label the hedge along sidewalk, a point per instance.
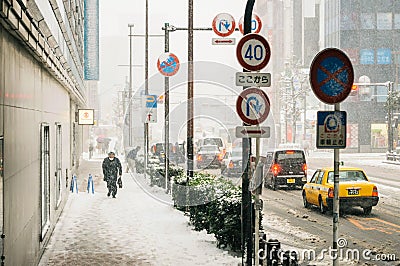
(213, 204)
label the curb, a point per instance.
(391, 162)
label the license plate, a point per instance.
(353, 192)
(291, 181)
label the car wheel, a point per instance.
(273, 183)
(305, 202)
(322, 208)
(367, 210)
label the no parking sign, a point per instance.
(168, 64)
(331, 76)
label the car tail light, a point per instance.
(230, 164)
(375, 192)
(276, 168)
(330, 193)
(289, 152)
(304, 167)
(199, 157)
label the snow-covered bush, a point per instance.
(139, 164)
(214, 205)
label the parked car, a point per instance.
(231, 164)
(285, 167)
(354, 190)
(209, 156)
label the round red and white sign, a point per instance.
(253, 106)
(253, 52)
(223, 24)
(168, 64)
(256, 24)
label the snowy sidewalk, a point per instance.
(133, 229)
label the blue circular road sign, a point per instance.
(331, 76)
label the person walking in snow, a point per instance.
(112, 171)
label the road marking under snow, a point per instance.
(375, 224)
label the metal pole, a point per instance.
(190, 94)
(146, 88)
(247, 232)
(294, 117)
(336, 201)
(129, 115)
(304, 116)
(390, 131)
(166, 112)
(257, 212)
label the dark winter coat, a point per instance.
(111, 168)
(132, 154)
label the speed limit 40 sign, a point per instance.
(253, 52)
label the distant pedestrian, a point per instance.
(112, 171)
(131, 156)
(91, 148)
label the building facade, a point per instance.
(41, 89)
(369, 32)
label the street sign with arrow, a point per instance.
(252, 132)
(223, 41)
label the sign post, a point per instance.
(253, 53)
(168, 65)
(253, 107)
(331, 78)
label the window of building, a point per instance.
(384, 21)
(383, 56)
(45, 178)
(397, 21)
(367, 56)
(381, 94)
(58, 163)
(367, 21)
(379, 136)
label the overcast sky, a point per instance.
(114, 42)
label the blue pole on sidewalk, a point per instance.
(90, 183)
(74, 184)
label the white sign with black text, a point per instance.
(249, 79)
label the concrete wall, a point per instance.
(29, 96)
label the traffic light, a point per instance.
(354, 89)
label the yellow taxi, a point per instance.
(354, 190)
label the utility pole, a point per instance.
(190, 106)
(247, 232)
(129, 113)
(190, 125)
(166, 112)
(146, 87)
